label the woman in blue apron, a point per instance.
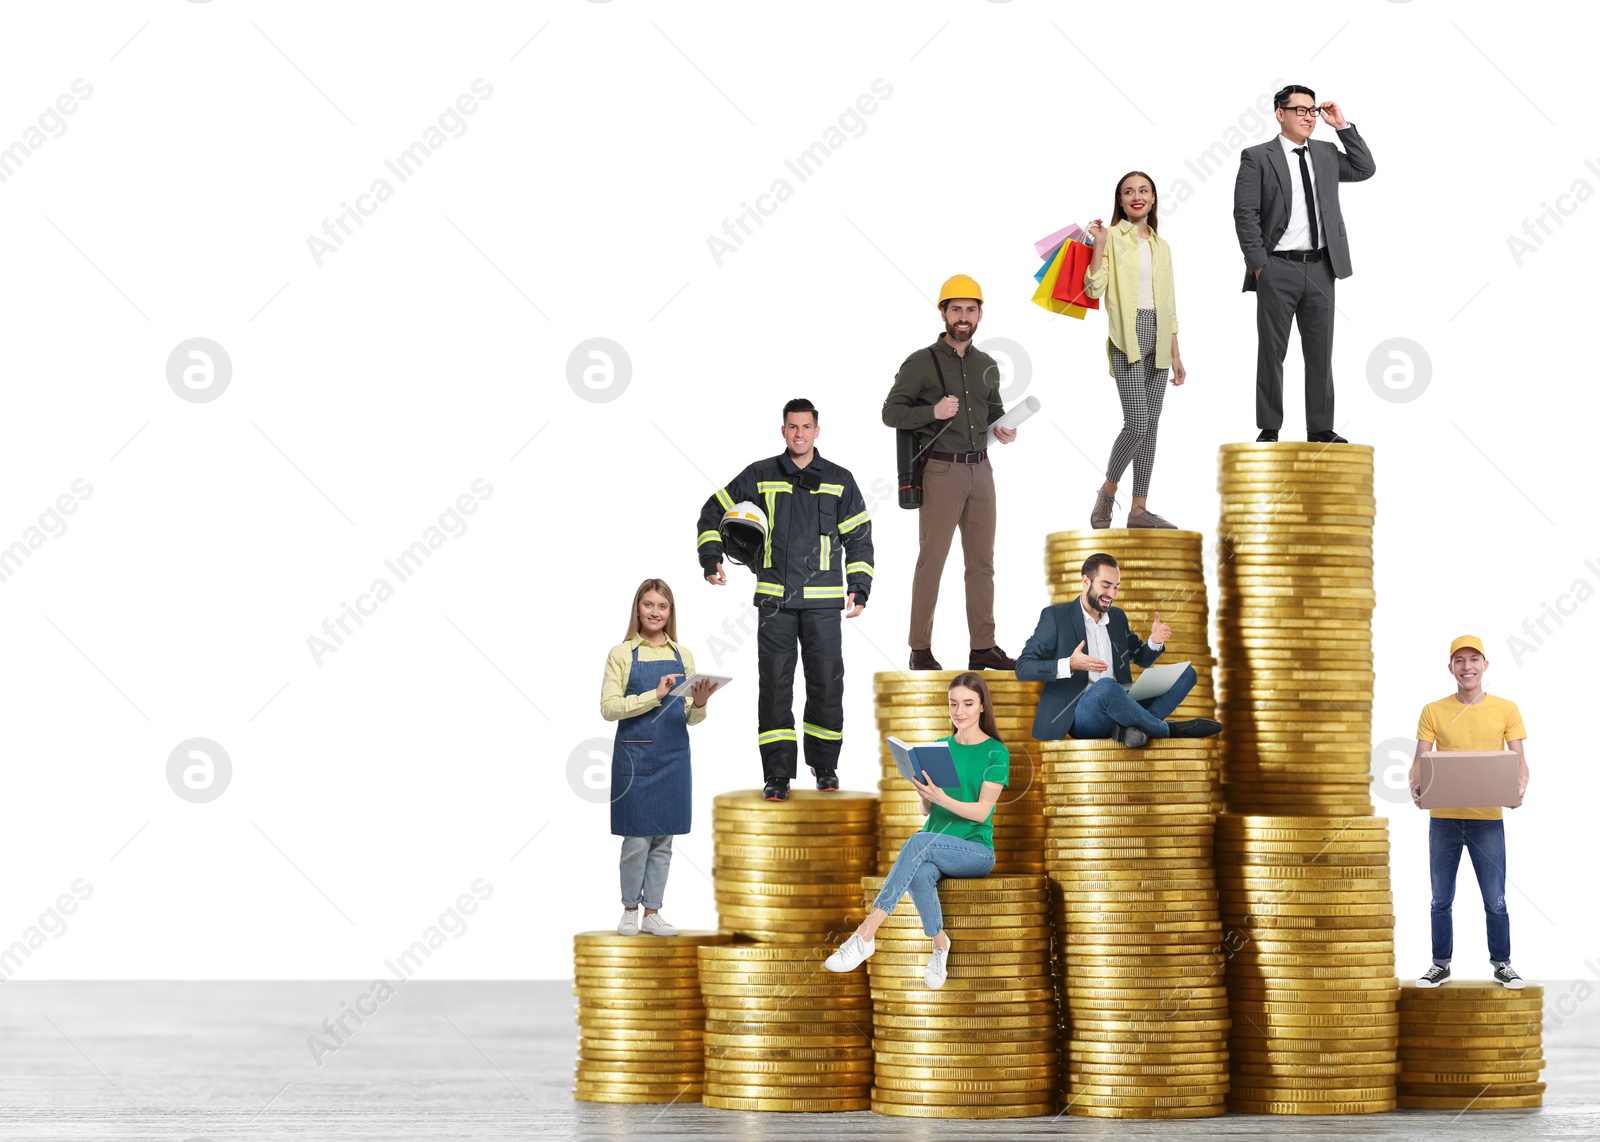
(650, 781)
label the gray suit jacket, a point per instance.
(1261, 197)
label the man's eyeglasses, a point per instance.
(1305, 112)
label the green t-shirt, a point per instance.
(989, 760)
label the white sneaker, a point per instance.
(629, 924)
(851, 954)
(937, 967)
(654, 925)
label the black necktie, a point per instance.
(1311, 198)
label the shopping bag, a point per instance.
(1047, 284)
(1069, 281)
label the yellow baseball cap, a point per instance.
(1467, 642)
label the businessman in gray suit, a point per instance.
(1082, 652)
(1286, 213)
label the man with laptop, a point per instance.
(1469, 752)
(1083, 650)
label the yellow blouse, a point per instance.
(616, 703)
(1118, 282)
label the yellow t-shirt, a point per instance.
(1489, 723)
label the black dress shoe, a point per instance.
(777, 789)
(924, 660)
(992, 659)
(1268, 436)
(1326, 438)
(1130, 736)
(1195, 728)
(827, 780)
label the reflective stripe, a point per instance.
(853, 522)
(828, 489)
(725, 499)
(709, 537)
(769, 588)
(852, 568)
(822, 592)
(822, 732)
(776, 736)
(825, 553)
(769, 490)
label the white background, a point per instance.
(370, 391)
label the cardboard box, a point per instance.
(1469, 779)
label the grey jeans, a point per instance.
(644, 870)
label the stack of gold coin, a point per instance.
(984, 1045)
(1311, 983)
(641, 1021)
(915, 707)
(783, 1032)
(1138, 964)
(1294, 565)
(1162, 573)
(789, 872)
(1471, 1045)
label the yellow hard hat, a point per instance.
(960, 286)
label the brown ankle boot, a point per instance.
(924, 660)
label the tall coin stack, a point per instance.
(789, 872)
(915, 707)
(1162, 572)
(1310, 942)
(1471, 1045)
(1144, 1011)
(983, 1045)
(641, 1022)
(784, 1033)
(1294, 565)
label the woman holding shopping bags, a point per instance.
(958, 838)
(1132, 269)
(650, 785)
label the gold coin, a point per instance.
(1465, 990)
(1413, 1080)
(799, 1105)
(1487, 1102)
(681, 944)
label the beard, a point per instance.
(950, 330)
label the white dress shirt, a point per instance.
(1097, 644)
(1298, 235)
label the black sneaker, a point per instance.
(827, 780)
(1436, 975)
(777, 789)
(1505, 977)
(1195, 728)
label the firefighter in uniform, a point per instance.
(814, 561)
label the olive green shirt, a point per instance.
(975, 378)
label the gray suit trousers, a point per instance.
(1289, 291)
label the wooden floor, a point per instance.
(186, 1061)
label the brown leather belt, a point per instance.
(961, 457)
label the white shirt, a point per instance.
(1298, 235)
(1096, 644)
(1147, 293)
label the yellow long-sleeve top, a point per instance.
(616, 703)
(1118, 283)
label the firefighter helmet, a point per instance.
(744, 533)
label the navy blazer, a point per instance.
(1058, 634)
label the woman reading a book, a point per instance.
(958, 838)
(650, 780)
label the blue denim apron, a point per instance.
(650, 785)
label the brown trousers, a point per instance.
(955, 495)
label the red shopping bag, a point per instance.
(1069, 282)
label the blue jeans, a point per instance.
(1486, 842)
(644, 865)
(924, 860)
(1104, 705)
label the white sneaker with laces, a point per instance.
(938, 967)
(654, 924)
(629, 924)
(851, 954)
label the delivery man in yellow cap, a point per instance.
(949, 394)
(1469, 719)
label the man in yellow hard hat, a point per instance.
(948, 393)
